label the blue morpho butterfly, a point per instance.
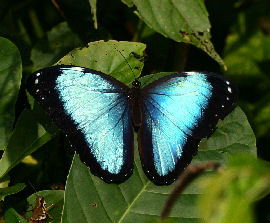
(97, 113)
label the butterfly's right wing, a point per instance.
(178, 111)
(93, 110)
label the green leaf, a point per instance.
(163, 221)
(233, 135)
(11, 190)
(12, 216)
(10, 81)
(182, 21)
(234, 191)
(57, 42)
(27, 137)
(239, 51)
(51, 197)
(117, 59)
(261, 120)
(137, 199)
(93, 4)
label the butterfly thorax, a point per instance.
(136, 103)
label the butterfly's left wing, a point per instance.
(93, 110)
(178, 111)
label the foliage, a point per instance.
(11, 71)
(235, 190)
(160, 37)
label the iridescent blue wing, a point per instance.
(178, 111)
(93, 110)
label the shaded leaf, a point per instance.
(233, 135)
(10, 81)
(11, 190)
(12, 216)
(262, 119)
(57, 42)
(23, 141)
(182, 21)
(247, 54)
(137, 199)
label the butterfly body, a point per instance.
(97, 113)
(135, 98)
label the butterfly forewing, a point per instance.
(178, 111)
(93, 111)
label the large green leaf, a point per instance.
(89, 199)
(233, 135)
(27, 137)
(118, 59)
(57, 42)
(10, 81)
(180, 20)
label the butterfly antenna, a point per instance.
(32, 186)
(127, 62)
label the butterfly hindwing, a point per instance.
(178, 111)
(93, 110)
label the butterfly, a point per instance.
(97, 113)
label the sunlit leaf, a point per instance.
(117, 59)
(234, 191)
